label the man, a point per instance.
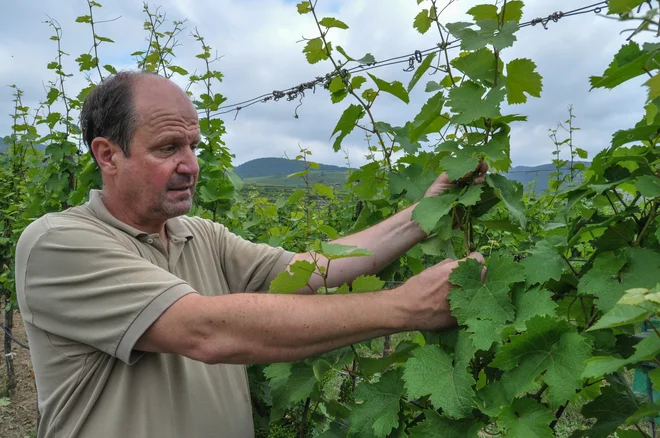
(141, 319)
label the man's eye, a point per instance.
(169, 148)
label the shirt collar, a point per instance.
(175, 226)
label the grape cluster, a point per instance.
(346, 390)
(260, 432)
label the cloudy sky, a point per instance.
(258, 42)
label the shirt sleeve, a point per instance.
(81, 283)
(249, 266)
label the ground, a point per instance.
(19, 418)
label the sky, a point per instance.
(259, 48)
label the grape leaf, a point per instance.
(430, 118)
(471, 195)
(653, 85)
(436, 426)
(530, 303)
(623, 6)
(429, 211)
(479, 65)
(334, 251)
(378, 413)
(460, 163)
(543, 264)
(548, 345)
(346, 124)
(525, 418)
(619, 138)
(304, 7)
(422, 21)
(484, 332)
(620, 315)
(367, 283)
(510, 192)
(472, 299)
(521, 78)
(423, 67)
(646, 349)
(413, 179)
(289, 383)
(648, 186)
(497, 150)
(395, 88)
(513, 11)
(466, 101)
(288, 282)
(630, 62)
(611, 409)
(430, 372)
(314, 51)
(332, 22)
(483, 12)
(489, 33)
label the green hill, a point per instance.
(271, 166)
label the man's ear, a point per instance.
(105, 153)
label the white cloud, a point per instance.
(260, 51)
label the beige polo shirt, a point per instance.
(88, 286)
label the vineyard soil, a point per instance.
(19, 418)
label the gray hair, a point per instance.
(109, 111)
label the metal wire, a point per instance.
(298, 91)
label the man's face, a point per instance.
(157, 181)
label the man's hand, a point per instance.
(427, 295)
(443, 183)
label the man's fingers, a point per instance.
(477, 256)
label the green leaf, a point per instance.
(4, 402)
(346, 124)
(395, 88)
(333, 22)
(431, 372)
(460, 163)
(177, 69)
(543, 264)
(631, 61)
(641, 133)
(531, 303)
(367, 283)
(304, 7)
(653, 85)
(471, 195)
(484, 332)
(623, 6)
(473, 298)
(324, 190)
(510, 192)
(430, 118)
(646, 349)
(357, 81)
(423, 21)
(334, 251)
(321, 367)
(423, 67)
(483, 12)
(429, 211)
(289, 282)
(489, 33)
(513, 11)
(525, 418)
(549, 345)
(479, 65)
(103, 39)
(110, 69)
(289, 384)
(436, 426)
(648, 186)
(84, 19)
(314, 51)
(611, 409)
(378, 413)
(466, 101)
(621, 315)
(522, 78)
(413, 179)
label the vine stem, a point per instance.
(350, 90)
(653, 326)
(301, 430)
(96, 44)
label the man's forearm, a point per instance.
(266, 328)
(387, 240)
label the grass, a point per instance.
(315, 176)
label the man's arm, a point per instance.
(387, 240)
(266, 328)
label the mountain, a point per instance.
(274, 171)
(270, 167)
